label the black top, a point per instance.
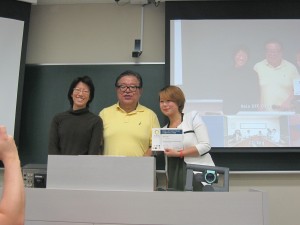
(77, 132)
(240, 90)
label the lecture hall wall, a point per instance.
(105, 33)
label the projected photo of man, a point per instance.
(276, 77)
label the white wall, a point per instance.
(105, 33)
(94, 33)
(10, 55)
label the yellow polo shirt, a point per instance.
(276, 84)
(128, 134)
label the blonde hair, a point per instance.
(174, 94)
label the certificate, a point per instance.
(297, 87)
(163, 138)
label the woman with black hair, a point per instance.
(77, 131)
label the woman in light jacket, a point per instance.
(195, 140)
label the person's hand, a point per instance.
(8, 149)
(172, 153)
(12, 203)
(287, 105)
(283, 107)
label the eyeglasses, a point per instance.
(131, 88)
(77, 91)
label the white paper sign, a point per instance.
(297, 87)
(163, 138)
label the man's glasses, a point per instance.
(131, 88)
(77, 91)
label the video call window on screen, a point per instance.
(243, 75)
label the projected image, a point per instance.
(215, 128)
(294, 126)
(249, 131)
(244, 70)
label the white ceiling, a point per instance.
(49, 2)
(53, 2)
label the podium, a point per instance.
(83, 207)
(93, 204)
(102, 173)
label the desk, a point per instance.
(88, 207)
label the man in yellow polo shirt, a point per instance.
(128, 124)
(276, 78)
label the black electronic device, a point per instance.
(137, 48)
(35, 175)
(211, 175)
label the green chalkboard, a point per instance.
(45, 94)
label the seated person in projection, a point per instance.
(241, 90)
(128, 124)
(276, 78)
(77, 131)
(12, 204)
(236, 137)
(196, 140)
